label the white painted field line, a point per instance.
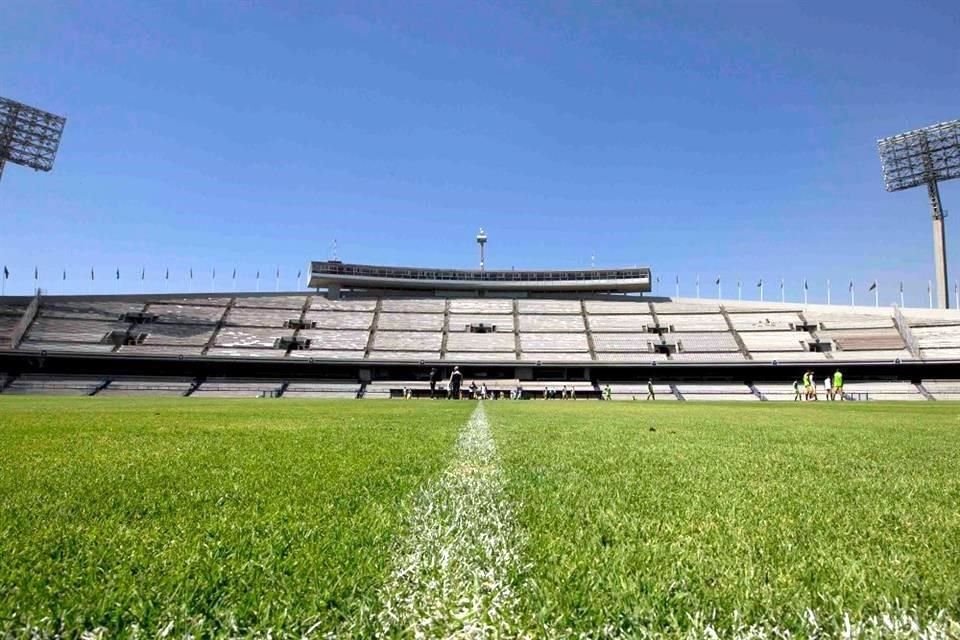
(454, 569)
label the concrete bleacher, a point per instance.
(481, 306)
(245, 352)
(716, 391)
(328, 354)
(637, 391)
(337, 340)
(250, 336)
(324, 319)
(625, 342)
(293, 303)
(882, 391)
(640, 357)
(490, 342)
(390, 321)
(160, 350)
(623, 322)
(943, 389)
(765, 321)
(694, 322)
(146, 386)
(407, 341)
(776, 391)
(220, 388)
(241, 317)
(84, 310)
(322, 389)
(186, 314)
(551, 323)
(413, 305)
(775, 340)
(62, 385)
(553, 342)
(890, 355)
(628, 306)
(538, 306)
(71, 330)
(545, 329)
(705, 342)
(463, 321)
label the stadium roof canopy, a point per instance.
(335, 274)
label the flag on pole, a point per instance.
(851, 286)
(214, 273)
(678, 279)
(6, 273)
(278, 272)
(143, 272)
(91, 273)
(718, 280)
(118, 273)
(166, 276)
(258, 274)
(805, 287)
(873, 286)
(64, 274)
(901, 286)
(760, 284)
(234, 273)
(299, 273)
(36, 273)
(191, 273)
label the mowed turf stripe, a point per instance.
(454, 571)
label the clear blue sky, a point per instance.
(731, 139)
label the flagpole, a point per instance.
(698, 286)
(783, 298)
(828, 290)
(678, 287)
(929, 294)
(761, 291)
(901, 295)
(876, 294)
(804, 293)
(739, 291)
(719, 290)
(853, 294)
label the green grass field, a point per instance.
(538, 519)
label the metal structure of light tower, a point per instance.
(925, 157)
(28, 136)
(482, 241)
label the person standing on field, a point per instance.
(838, 385)
(433, 382)
(827, 389)
(796, 390)
(650, 394)
(456, 379)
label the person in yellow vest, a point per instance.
(838, 385)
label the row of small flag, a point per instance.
(760, 284)
(143, 274)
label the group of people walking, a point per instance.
(806, 388)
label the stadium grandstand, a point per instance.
(370, 331)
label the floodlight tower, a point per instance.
(925, 156)
(28, 136)
(482, 241)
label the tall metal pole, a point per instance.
(482, 241)
(939, 246)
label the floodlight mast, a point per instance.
(28, 136)
(482, 241)
(925, 156)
